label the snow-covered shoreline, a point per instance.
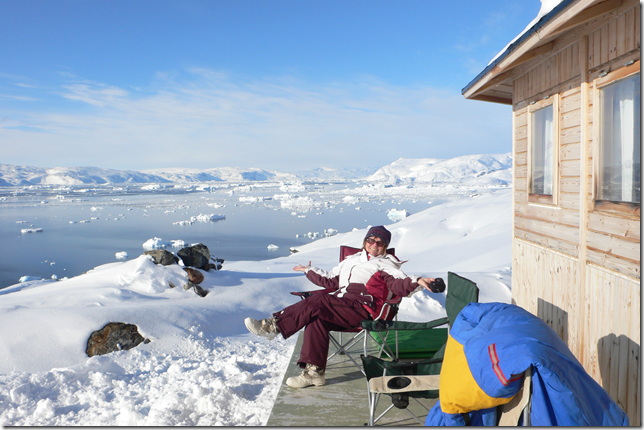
(202, 367)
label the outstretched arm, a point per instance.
(301, 268)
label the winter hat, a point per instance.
(381, 232)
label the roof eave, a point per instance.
(495, 67)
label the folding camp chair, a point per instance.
(387, 313)
(517, 411)
(417, 350)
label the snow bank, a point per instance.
(201, 366)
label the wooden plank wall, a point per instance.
(599, 320)
(607, 343)
(612, 337)
(616, 38)
(550, 289)
(556, 227)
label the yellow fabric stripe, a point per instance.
(459, 392)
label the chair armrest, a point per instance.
(305, 294)
(411, 364)
(403, 383)
(381, 325)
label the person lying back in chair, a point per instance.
(359, 287)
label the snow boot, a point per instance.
(312, 375)
(266, 328)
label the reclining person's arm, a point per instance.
(405, 286)
(324, 279)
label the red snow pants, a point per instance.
(320, 314)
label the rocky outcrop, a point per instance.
(113, 337)
(163, 257)
(196, 256)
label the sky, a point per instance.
(275, 84)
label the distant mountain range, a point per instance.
(483, 169)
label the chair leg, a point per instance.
(415, 417)
(345, 348)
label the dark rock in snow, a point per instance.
(194, 276)
(200, 291)
(114, 337)
(163, 257)
(196, 256)
(218, 263)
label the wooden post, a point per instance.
(582, 323)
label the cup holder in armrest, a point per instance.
(398, 382)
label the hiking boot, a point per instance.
(312, 375)
(266, 328)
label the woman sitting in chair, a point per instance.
(359, 286)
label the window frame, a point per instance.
(626, 208)
(532, 108)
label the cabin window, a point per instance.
(618, 175)
(543, 151)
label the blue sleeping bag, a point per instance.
(500, 341)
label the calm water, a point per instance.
(127, 219)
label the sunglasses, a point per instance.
(379, 243)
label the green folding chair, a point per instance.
(416, 351)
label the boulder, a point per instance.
(163, 257)
(196, 256)
(194, 276)
(115, 336)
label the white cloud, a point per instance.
(209, 118)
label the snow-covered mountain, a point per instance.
(11, 175)
(482, 170)
(335, 174)
(178, 174)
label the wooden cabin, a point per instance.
(573, 80)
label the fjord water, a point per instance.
(123, 221)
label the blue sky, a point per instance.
(280, 85)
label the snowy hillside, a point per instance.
(202, 367)
(485, 169)
(477, 170)
(11, 175)
(218, 174)
(335, 174)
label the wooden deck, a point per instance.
(341, 402)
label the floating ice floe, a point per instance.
(155, 243)
(397, 215)
(121, 255)
(201, 218)
(301, 203)
(31, 230)
(351, 200)
(152, 187)
(330, 232)
(29, 278)
(272, 247)
(178, 243)
(253, 199)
